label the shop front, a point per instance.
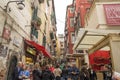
(36, 53)
(99, 45)
(30, 54)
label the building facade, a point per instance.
(81, 8)
(101, 31)
(69, 30)
(13, 29)
(62, 46)
(26, 33)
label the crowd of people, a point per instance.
(59, 72)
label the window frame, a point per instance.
(72, 40)
(71, 22)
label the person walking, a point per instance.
(47, 74)
(57, 72)
(75, 72)
(107, 73)
(64, 74)
(17, 71)
(69, 72)
(84, 74)
(92, 73)
(51, 68)
(36, 73)
(115, 75)
(25, 74)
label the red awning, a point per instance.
(99, 58)
(39, 48)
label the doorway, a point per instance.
(12, 65)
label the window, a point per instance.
(71, 10)
(47, 9)
(87, 10)
(72, 37)
(40, 1)
(90, 0)
(71, 22)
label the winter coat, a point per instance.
(92, 74)
(16, 73)
(47, 75)
(36, 75)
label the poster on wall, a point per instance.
(112, 14)
(6, 32)
(3, 51)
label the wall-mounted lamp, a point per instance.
(18, 2)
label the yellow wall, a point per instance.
(58, 48)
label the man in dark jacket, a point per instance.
(47, 74)
(17, 71)
(84, 74)
(75, 72)
(36, 73)
(92, 73)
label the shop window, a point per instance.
(72, 37)
(71, 22)
(90, 1)
(34, 32)
(44, 41)
(51, 35)
(71, 10)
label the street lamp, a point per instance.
(19, 3)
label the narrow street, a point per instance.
(59, 39)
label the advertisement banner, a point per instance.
(6, 32)
(112, 13)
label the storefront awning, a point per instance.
(88, 38)
(39, 48)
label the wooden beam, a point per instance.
(95, 35)
(86, 44)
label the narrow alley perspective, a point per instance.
(59, 39)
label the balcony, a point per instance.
(41, 1)
(66, 32)
(52, 35)
(36, 23)
(104, 0)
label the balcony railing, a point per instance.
(41, 1)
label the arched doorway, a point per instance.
(12, 65)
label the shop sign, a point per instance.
(112, 13)
(31, 50)
(6, 33)
(16, 41)
(29, 60)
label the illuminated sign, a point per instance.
(31, 51)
